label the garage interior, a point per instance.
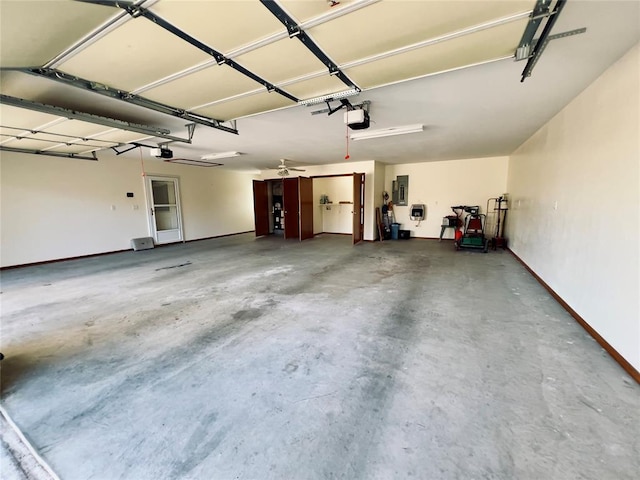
(231, 350)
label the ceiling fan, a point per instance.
(284, 169)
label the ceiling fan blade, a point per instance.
(296, 169)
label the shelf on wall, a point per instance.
(329, 205)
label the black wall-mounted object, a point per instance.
(129, 194)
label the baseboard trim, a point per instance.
(217, 236)
(596, 336)
(65, 259)
(333, 233)
(78, 257)
(410, 238)
(426, 238)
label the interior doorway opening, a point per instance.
(163, 209)
(340, 205)
(301, 207)
(275, 197)
(284, 207)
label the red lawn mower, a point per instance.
(473, 234)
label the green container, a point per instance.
(472, 241)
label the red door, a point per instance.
(261, 207)
(358, 207)
(291, 207)
(306, 207)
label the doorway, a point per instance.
(340, 199)
(164, 214)
(284, 207)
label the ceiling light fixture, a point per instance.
(194, 162)
(332, 96)
(217, 156)
(387, 132)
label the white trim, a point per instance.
(147, 178)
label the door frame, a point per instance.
(357, 235)
(305, 207)
(151, 223)
(362, 206)
(261, 207)
(291, 206)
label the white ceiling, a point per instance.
(468, 93)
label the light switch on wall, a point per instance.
(113, 207)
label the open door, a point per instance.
(305, 188)
(291, 208)
(165, 219)
(261, 207)
(358, 207)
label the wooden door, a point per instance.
(261, 207)
(291, 204)
(358, 207)
(305, 189)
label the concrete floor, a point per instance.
(238, 358)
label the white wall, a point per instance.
(440, 185)
(334, 218)
(366, 167)
(378, 189)
(575, 205)
(56, 208)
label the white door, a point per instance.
(165, 220)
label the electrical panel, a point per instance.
(400, 190)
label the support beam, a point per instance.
(49, 153)
(55, 143)
(97, 119)
(63, 138)
(540, 11)
(541, 44)
(296, 30)
(128, 97)
(133, 146)
(136, 11)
